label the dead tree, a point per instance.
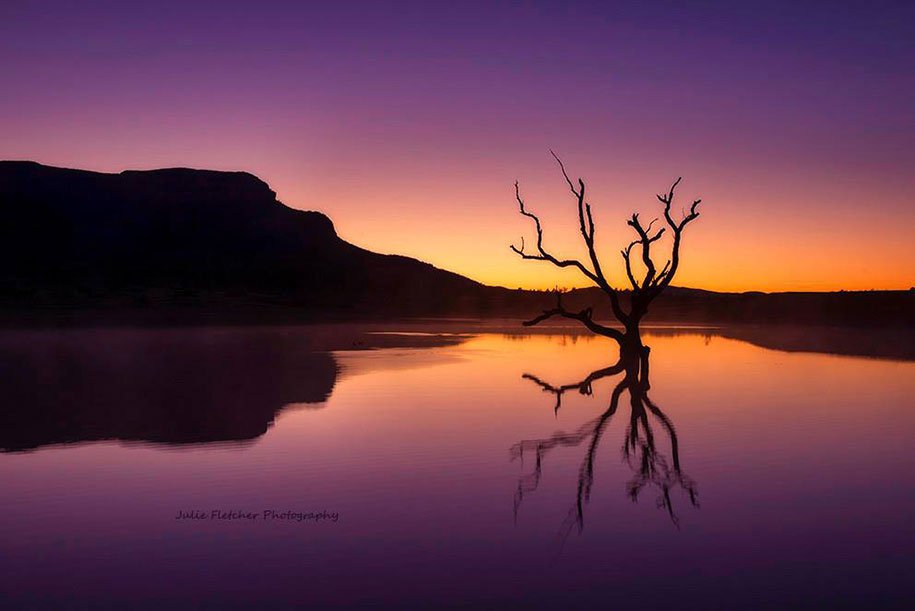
(642, 292)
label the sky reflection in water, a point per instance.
(801, 464)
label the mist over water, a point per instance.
(343, 466)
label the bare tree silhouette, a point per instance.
(643, 291)
(650, 467)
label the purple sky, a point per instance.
(408, 123)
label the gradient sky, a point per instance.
(407, 123)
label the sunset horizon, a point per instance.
(547, 279)
(411, 133)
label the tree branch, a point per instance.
(586, 228)
(543, 255)
(651, 285)
(677, 228)
(584, 317)
(625, 252)
(645, 241)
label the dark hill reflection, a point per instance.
(652, 469)
(205, 385)
(168, 386)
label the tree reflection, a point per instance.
(651, 468)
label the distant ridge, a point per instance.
(184, 245)
(179, 236)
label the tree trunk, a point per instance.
(631, 347)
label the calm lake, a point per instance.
(427, 466)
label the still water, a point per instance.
(450, 466)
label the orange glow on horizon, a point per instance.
(737, 244)
(461, 216)
(410, 141)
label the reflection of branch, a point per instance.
(586, 471)
(583, 387)
(650, 467)
(592, 429)
(528, 483)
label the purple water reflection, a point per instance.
(802, 462)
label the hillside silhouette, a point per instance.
(182, 245)
(180, 236)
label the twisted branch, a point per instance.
(677, 228)
(586, 228)
(584, 317)
(643, 291)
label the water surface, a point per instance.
(441, 473)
